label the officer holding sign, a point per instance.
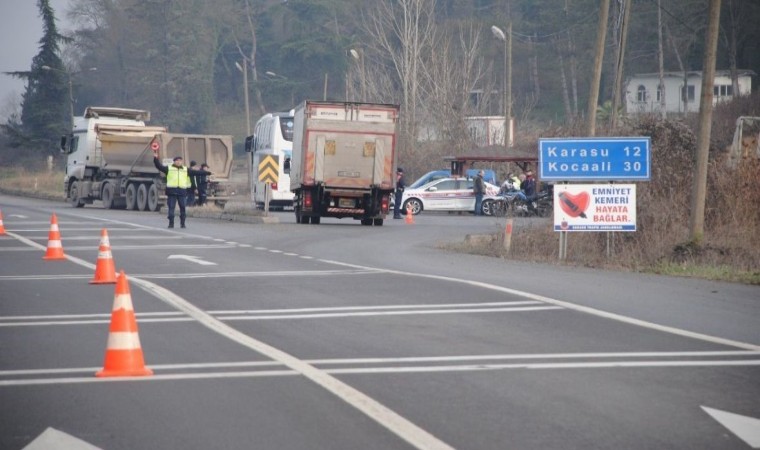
(177, 184)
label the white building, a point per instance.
(642, 93)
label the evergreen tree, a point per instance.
(45, 106)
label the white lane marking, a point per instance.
(260, 248)
(390, 370)
(568, 305)
(52, 439)
(20, 216)
(290, 254)
(383, 415)
(306, 257)
(388, 313)
(67, 229)
(394, 422)
(371, 308)
(275, 251)
(193, 259)
(124, 247)
(403, 360)
(316, 273)
(93, 321)
(278, 311)
(218, 240)
(744, 427)
(244, 245)
(112, 238)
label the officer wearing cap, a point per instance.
(400, 185)
(177, 184)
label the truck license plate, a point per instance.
(346, 203)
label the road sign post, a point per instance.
(269, 172)
(605, 159)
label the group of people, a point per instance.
(523, 185)
(181, 184)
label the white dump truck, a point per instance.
(344, 161)
(110, 158)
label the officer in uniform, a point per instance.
(400, 185)
(177, 184)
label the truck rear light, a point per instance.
(274, 186)
(384, 203)
(307, 200)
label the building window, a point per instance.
(723, 90)
(688, 92)
(641, 94)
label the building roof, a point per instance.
(693, 74)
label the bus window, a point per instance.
(286, 126)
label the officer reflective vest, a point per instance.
(176, 177)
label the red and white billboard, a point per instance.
(594, 207)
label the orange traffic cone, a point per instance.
(2, 227)
(54, 248)
(409, 216)
(124, 356)
(105, 271)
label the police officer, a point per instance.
(400, 185)
(177, 184)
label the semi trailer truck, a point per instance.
(110, 158)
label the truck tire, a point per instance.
(142, 197)
(305, 220)
(131, 196)
(153, 204)
(378, 222)
(74, 197)
(367, 222)
(315, 220)
(107, 196)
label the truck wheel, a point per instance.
(153, 204)
(367, 222)
(305, 220)
(107, 196)
(378, 222)
(142, 197)
(298, 214)
(315, 220)
(131, 196)
(74, 197)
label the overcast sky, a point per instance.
(20, 32)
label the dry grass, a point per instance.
(47, 184)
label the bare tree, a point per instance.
(403, 32)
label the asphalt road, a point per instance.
(339, 336)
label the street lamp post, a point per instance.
(507, 38)
(249, 159)
(244, 69)
(69, 76)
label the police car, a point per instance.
(446, 194)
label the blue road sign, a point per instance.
(607, 159)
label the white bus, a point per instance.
(273, 136)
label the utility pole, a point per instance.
(601, 34)
(626, 5)
(699, 187)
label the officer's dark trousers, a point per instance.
(173, 197)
